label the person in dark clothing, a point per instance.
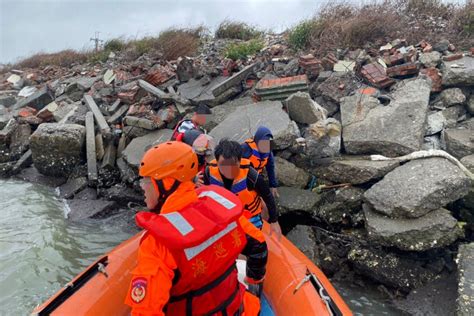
(257, 151)
(235, 174)
(196, 122)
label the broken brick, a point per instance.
(329, 61)
(435, 76)
(403, 70)
(395, 59)
(375, 74)
(159, 75)
(453, 57)
(310, 65)
(27, 112)
(281, 88)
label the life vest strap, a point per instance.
(205, 288)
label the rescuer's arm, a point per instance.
(151, 279)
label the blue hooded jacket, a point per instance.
(263, 133)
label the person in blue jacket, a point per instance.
(257, 150)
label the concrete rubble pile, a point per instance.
(85, 129)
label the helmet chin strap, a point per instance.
(163, 194)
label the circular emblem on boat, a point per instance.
(138, 291)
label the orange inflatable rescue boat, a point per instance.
(293, 285)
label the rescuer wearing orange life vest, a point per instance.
(186, 259)
(257, 150)
(228, 170)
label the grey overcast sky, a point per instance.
(31, 26)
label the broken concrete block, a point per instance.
(134, 152)
(142, 123)
(110, 154)
(452, 96)
(323, 139)
(37, 100)
(281, 88)
(289, 175)
(435, 123)
(99, 146)
(242, 124)
(117, 116)
(435, 229)
(458, 142)
(390, 269)
(185, 69)
(82, 209)
(234, 80)
(465, 276)
(90, 148)
(302, 109)
(25, 161)
(32, 175)
(430, 59)
(293, 200)
(99, 118)
(354, 170)
(57, 148)
(394, 129)
(200, 91)
(459, 72)
(71, 187)
(417, 188)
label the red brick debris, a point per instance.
(279, 82)
(375, 74)
(310, 64)
(403, 70)
(435, 77)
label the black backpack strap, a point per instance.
(252, 176)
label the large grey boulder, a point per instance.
(394, 129)
(465, 300)
(293, 199)
(418, 187)
(134, 152)
(289, 175)
(57, 148)
(431, 59)
(452, 96)
(436, 229)
(303, 238)
(470, 104)
(354, 170)
(242, 124)
(435, 123)
(390, 269)
(323, 139)
(302, 109)
(458, 72)
(459, 142)
(341, 206)
(468, 162)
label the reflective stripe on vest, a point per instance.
(179, 222)
(196, 250)
(218, 198)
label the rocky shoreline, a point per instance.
(405, 225)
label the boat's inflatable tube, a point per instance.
(293, 284)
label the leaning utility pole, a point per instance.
(97, 41)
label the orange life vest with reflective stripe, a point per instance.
(257, 159)
(251, 201)
(205, 239)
